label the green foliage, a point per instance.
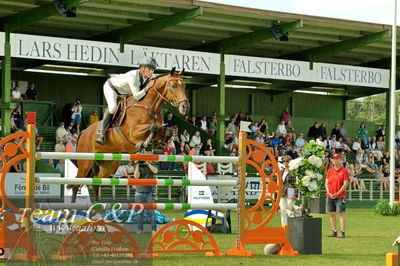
(383, 208)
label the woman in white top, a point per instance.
(281, 129)
(288, 189)
(196, 139)
(76, 115)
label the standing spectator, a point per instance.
(16, 93)
(313, 131)
(362, 133)
(168, 121)
(263, 126)
(93, 118)
(169, 150)
(76, 115)
(239, 117)
(337, 179)
(31, 93)
(124, 171)
(381, 132)
(61, 132)
(196, 139)
(336, 131)
(322, 131)
(18, 119)
(144, 194)
(60, 147)
(343, 131)
(285, 115)
(203, 123)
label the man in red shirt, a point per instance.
(337, 179)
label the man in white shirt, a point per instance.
(356, 145)
(281, 129)
(136, 82)
(203, 123)
(16, 93)
(124, 171)
(61, 132)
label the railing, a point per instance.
(370, 190)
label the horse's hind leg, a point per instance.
(84, 167)
(107, 168)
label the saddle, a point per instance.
(117, 120)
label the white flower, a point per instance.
(313, 186)
(306, 180)
(296, 163)
(318, 176)
(309, 173)
(316, 161)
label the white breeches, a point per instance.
(284, 204)
(111, 98)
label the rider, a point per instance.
(135, 82)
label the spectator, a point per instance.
(362, 133)
(175, 136)
(373, 148)
(381, 132)
(203, 123)
(344, 146)
(258, 137)
(124, 171)
(335, 144)
(212, 132)
(300, 142)
(290, 129)
(169, 150)
(228, 140)
(281, 129)
(60, 147)
(16, 94)
(185, 137)
(322, 131)
(336, 131)
(385, 158)
(76, 115)
(168, 121)
(285, 115)
(213, 125)
(182, 148)
(361, 159)
(356, 145)
(325, 143)
(254, 127)
(193, 121)
(195, 150)
(371, 161)
(380, 144)
(263, 126)
(18, 119)
(196, 139)
(144, 194)
(70, 130)
(231, 126)
(38, 140)
(74, 142)
(61, 132)
(288, 189)
(61, 166)
(186, 118)
(247, 118)
(93, 118)
(239, 118)
(214, 115)
(353, 178)
(313, 131)
(208, 149)
(343, 131)
(31, 93)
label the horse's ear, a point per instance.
(173, 70)
(181, 73)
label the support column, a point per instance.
(221, 98)
(344, 108)
(6, 105)
(388, 94)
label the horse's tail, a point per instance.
(92, 173)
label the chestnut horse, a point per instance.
(142, 122)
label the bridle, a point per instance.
(175, 101)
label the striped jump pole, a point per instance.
(139, 206)
(133, 182)
(136, 157)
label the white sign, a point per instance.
(227, 193)
(104, 53)
(258, 67)
(16, 186)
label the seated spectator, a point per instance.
(213, 125)
(371, 161)
(186, 118)
(193, 121)
(281, 129)
(336, 131)
(353, 178)
(195, 150)
(185, 137)
(373, 148)
(175, 136)
(276, 143)
(324, 143)
(231, 126)
(343, 131)
(239, 117)
(93, 118)
(254, 127)
(300, 142)
(196, 139)
(16, 94)
(60, 147)
(182, 148)
(38, 140)
(263, 126)
(380, 144)
(362, 133)
(335, 144)
(18, 119)
(381, 132)
(290, 129)
(385, 158)
(247, 118)
(285, 115)
(383, 176)
(203, 123)
(208, 149)
(258, 137)
(361, 159)
(70, 130)
(31, 93)
(344, 146)
(313, 131)
(293, 153)
(168, 121)
(169, 150)
(322, 130)
(356, 145)
(212, 132)
(124, 171)
(228, 140)
(61, 132)
(61, 166)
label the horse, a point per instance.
(142, 123)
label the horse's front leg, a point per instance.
(154, 130)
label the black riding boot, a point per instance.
(103, 128)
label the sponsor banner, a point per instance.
(105, 53)
(226, 193)
(258, 67)
(16, 186)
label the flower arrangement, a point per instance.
(309, 171)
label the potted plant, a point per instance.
(306, 231)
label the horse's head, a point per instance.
(174, 91)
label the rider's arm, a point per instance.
(134, 85)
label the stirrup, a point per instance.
(101, 140)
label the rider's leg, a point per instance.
(111, 98)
